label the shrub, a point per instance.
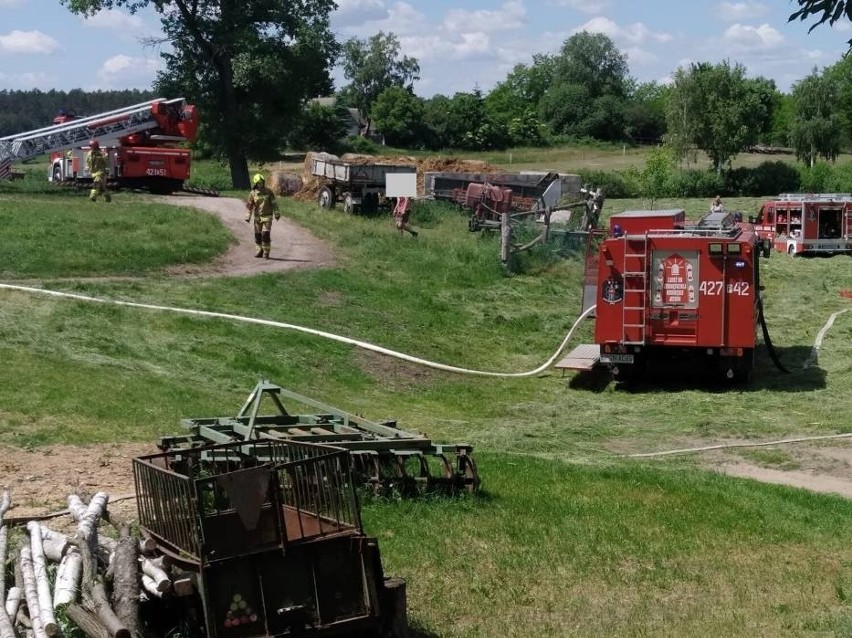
(769, 178)
(816, 178)
(613, 183)
(696, 183)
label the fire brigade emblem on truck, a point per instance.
(613, 290)
(675, 281)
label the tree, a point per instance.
(587, 96)
(645, 113)
(830, 11)
(514, 103)
(718, 110)
(319, 127)
(816, 126)
(592, 60)
(653, 180)
(398, 114)
(374, 65)
(247, 64)
(840, 74)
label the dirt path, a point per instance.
(292, 245)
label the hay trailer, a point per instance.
(268, 535)
(360, 186)
(384, 457)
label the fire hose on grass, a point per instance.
(311, 331)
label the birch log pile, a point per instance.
(100, 581)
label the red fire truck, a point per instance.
(667, 288)
(799, 224)
(141, 143)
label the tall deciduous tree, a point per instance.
(717, 109)
(374, 65)
(398, 114)
(816, 127)
(247, 64)
(823, 11)
(841, 74)
(589, 88)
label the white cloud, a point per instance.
(400, 19)
(12, 3)
(115, 19)
(589, 7)
(638, 55)
(27, 42)
(351, 13)
(635, 34)
(121, 71)
(511, 15)
(746, 38)
(736, 11)
(842, 26)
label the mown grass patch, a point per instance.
(554, 549)
(69, 236)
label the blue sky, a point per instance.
(459, 45)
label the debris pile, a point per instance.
(101, 582)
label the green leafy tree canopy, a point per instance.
(374, 65)
(830, 11)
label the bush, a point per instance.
(770, 178)
(697, 183)
(613, 183)
(361, 145)
(816, 179)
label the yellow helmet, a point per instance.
(257, 179)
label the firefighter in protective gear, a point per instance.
(261, 205)
(96, 163)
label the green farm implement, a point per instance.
(384, 457)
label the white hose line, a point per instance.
(725, 446)
(319, 333)
(812, 357)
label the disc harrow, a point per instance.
(385, 458)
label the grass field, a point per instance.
(569, 537)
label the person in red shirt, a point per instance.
(401, 215)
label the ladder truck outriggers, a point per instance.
(141, 142)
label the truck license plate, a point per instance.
(616, 358)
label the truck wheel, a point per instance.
(57, 174)
(325, 197)
(349, 205)
(791, 250)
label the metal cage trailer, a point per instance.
(359, 186)
(270, 534)
(666, 289)
(799, 224)
(384, 457)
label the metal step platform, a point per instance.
(583, 358)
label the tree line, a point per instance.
(22, 111)
(251, 66)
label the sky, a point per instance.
(459, 45)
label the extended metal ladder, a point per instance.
(109, 125)
(635, 279)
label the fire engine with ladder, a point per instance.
(666, 289)
(807, 224)
(140, 141)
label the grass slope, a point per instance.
(598, 546)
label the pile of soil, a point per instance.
(312, 184)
